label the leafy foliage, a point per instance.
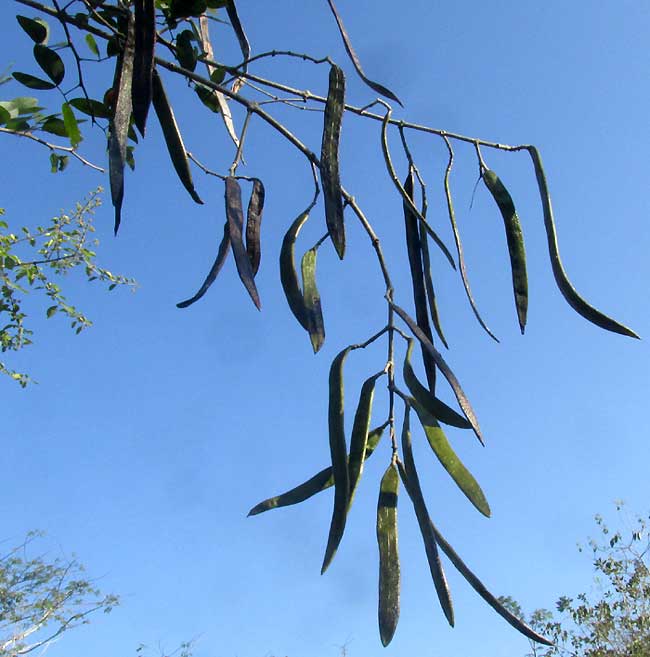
(36, 259)
(144, 40)
(41, 599)
(614, 619)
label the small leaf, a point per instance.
(4, 115)
(51, 310)
(94, 108)
(50, 62)
(92, 44)
(329, 161)
(389, 568)
(186, 53)
(54, 126)
(33, 82)
(71, 125)
(338, 452)
(312, 300)
(37, 30)
(450, 461)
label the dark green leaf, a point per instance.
(186, 53)
(218, 75)
(389, 569)
(33, 82)
(4, 115)
(207, 97)
(55, 126)
(338, 452)
(94, 108)
(51, 310)
(50, 63)
(36, 29)
(71, 125)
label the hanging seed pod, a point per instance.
(389, 569)
(329, 162)
(561, 279)
(222, 254)
(311, 298)
(288, 273)
(143, 62)
(253, 224)
(411, 481)
(244, 45)
(338, 452)
(172, 136)
(319, 482)
(235, 215)
(515, 240)
(119, 122)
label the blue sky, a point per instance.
(150, 436)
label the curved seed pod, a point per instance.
(414, 251)
(338, 452)
(244, 45)
(566, 288)
(389, 571)
(459, 245)
(222, 254)
(288, 274)
(329, 160)
(515, 240)
(253, 223)
(463, 402)
(145, 43)
(359, 438)
(172, 135)
(235, 215)
(428, 284)
(319, 482)
(405, 197)
(375, 86)
(119, 123)
(450, 461)
(432, 404)
(409, 477)
(481, 589)
(312, 300)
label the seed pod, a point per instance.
(222, 254)
(172, 136)
(253, 223)
(566, 288)
(311, 297)
(409, 477)
(515, 240)
(481, 589)
(235, 215)
(143, 62)
(450, 461)
(244, 45)
(463, 402)
(329, 162)
(289, 275)
(389, 570)
(459, 244)
(338, 452)
(319, 482)
(119, 123)
(428, 285)
(359, 438)
(375, 86)
(425, 398)
(414, 251)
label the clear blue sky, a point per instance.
(150, 436)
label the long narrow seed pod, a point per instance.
(235, 215)
(338, 452)
(288, 273)
(311, 296)
(319, 482)
(375, 86)
(428, 284)
(463, 402)
(430, 402)
(459, 244)
(409, 476)
(482, 590)
(244, 45)
(172, 136)
(222, 254)
(515, 239)
(119, 122)
(413, 247)
(143, 61)
(389, 569)
(329, 161)
(566, 288)
(253, 225)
